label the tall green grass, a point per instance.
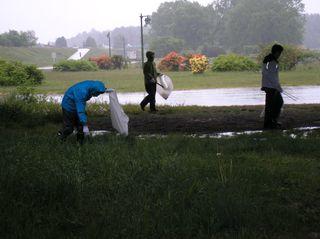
(263, 186)
(259, 186)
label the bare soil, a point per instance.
(195, 120)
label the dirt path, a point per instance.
(211, 119)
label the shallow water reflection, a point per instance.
(214, 97)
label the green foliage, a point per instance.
(16, 73)
(176, 187)
(312, 31)
(289, 58)
(61, 42)
(253, 22)
(230, 23)
(184, 20)
(233, 62)
(164, 45)
(18, 39)
(117, 62)
(27, 109)
(75, 65)
(40, 56)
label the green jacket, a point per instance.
(150, 72)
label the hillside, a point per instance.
(35, 55)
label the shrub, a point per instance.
(16, 73)
(289, 58)
(73, 65)
(172, 62)
(307, 56)
(199, 63)
(233, 62)
(29, 110)
(117, 62)
(103, 62)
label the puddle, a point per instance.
(305, 130)
(99, 133)
(214, 97)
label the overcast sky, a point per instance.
(54, 18)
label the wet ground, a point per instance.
(217, 97)
(209, 120)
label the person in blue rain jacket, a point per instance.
(74, 107)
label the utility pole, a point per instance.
(142, 47)
(124, 52)
(124, 48)
(109, 44)
(147, 22)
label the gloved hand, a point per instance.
(109, 90)
(86, 130)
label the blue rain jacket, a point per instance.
(76, 97)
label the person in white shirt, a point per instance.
(272, 87)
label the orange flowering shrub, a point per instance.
(103, 62)
(172, 62)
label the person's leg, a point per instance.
(152, 93)
(268, 108)
(68, 124)
(277, 105)
(80, 134)
(146, 100)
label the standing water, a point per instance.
(214, 97)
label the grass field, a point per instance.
(41, 56)
(260, 186)
(131, 80)
(35, 55)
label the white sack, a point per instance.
(166, 86)
(118, 118)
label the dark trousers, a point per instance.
(151, 89)
(274, 103)
(70, 122)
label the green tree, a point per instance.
(184, 20)
(61, 42)
(18, 39)
(164, 45)
(253, 22)
(312, 33)
(90, 42)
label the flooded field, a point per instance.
(215, 97)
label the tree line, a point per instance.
(14, 38)
(229, 24)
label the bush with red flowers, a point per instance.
(103, 62)
(172, 62)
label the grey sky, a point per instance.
(54, 18)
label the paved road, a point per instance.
(217, 97)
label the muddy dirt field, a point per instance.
(195, 120)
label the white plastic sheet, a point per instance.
(118, 118)
(164, 86)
